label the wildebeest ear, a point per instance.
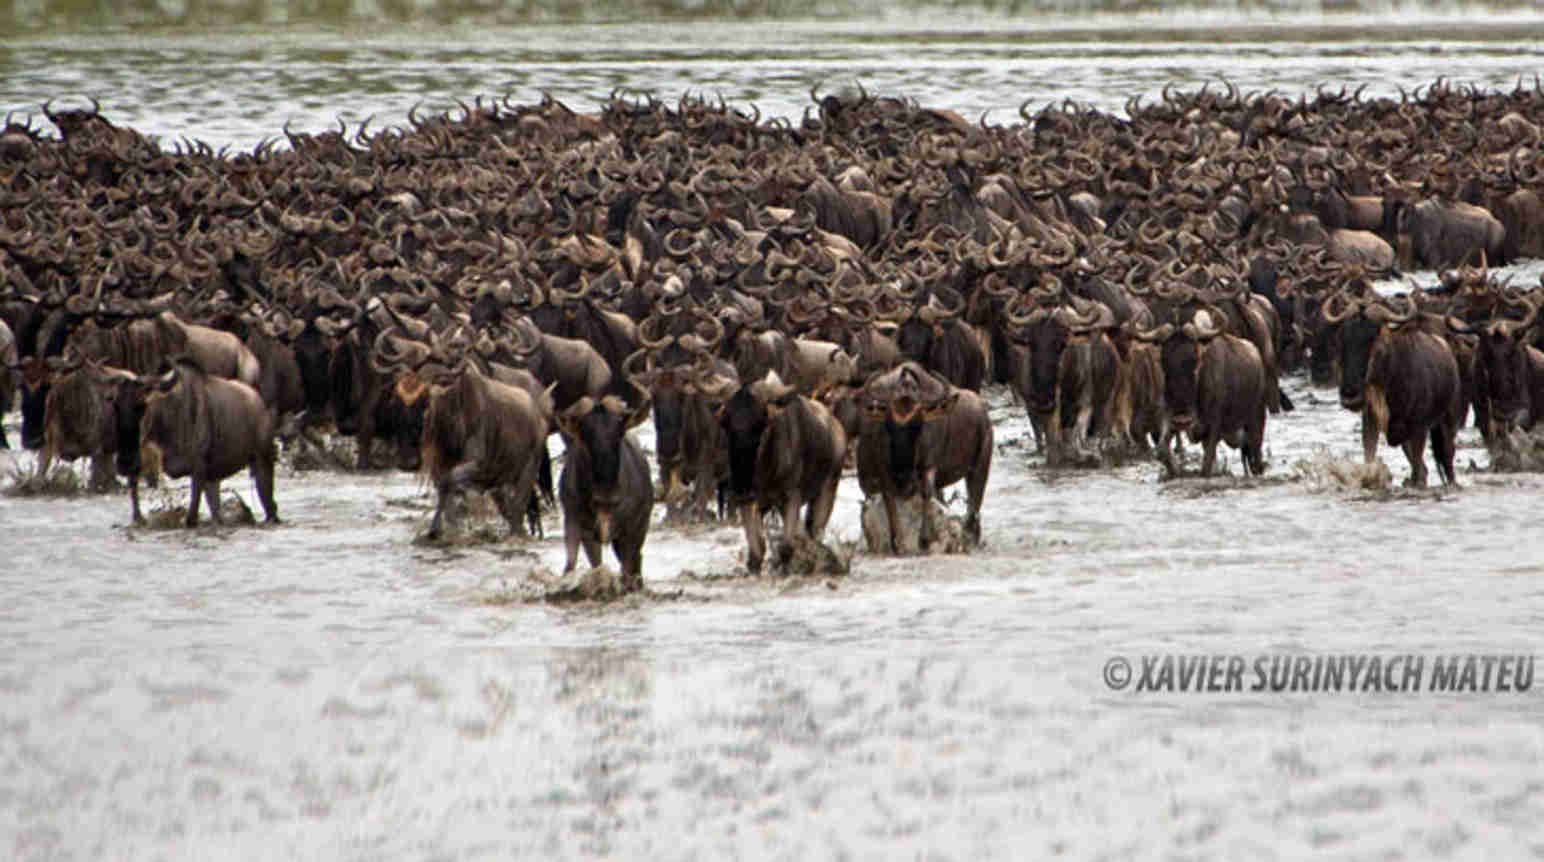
(568, 420)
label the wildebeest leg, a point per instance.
(364, 438)
(1488, 432)
(262, 473)
(930, 491)
(523, 492)
(820, 511)
(793, 525)
(1081, 423)
(975, 493)
(452, 484)
(1039, 433)
(139, 517)
(893, 518)
(1415, 451)
(1256, 444)
(103, 475)
(195, 495)
(1209, 447)
(1442, 447)
(1166, 453)
(212, 497)
(631, 559)
(570, 544)
(593, 551)
(755, 537)
(533, 517)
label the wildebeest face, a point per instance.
(126, 400)
(669, 417)
(1357, 336)
(1504, 363)
(903, 430)
(744, 421)
(314, 356)
(914, 339)
(35, 385)
(408, 404)
(1181, 357)
(1046, 341)
(598, 429)
(75, 414)
(345, 372)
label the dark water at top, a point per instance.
(330, 689)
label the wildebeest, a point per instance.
(1445, 234)
(605, 489)
(1509, 371)
(939, 340)
(216, 351)
(485, 434)
(208, 427)
(785, 452)
(922, 435)
(92, 411)
(574, 366)
(689, 442)
(1069, 374)
(1214, 388)
(1404, 381)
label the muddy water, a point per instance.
(330, 688)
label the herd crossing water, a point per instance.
(333, 687)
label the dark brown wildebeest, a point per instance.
(208, 427)
(690, 444)
(920, 436)
(91, 410)
(1214, 387)
(936, 337)
(785, 452)
(604, 488)
(1404, 381)
(1069, 375)
(1509, 371)
(485, 434)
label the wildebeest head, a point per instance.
(1362, 325)
(313, 354)
(170, 405)
(127, 398)
(1321, 337)
(593, 431)
(78, 417)
(1180, 356)
(901, 401)
(917, 333)
(1502, 365)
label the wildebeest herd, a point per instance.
(781, 297)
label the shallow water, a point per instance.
(330, 688)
